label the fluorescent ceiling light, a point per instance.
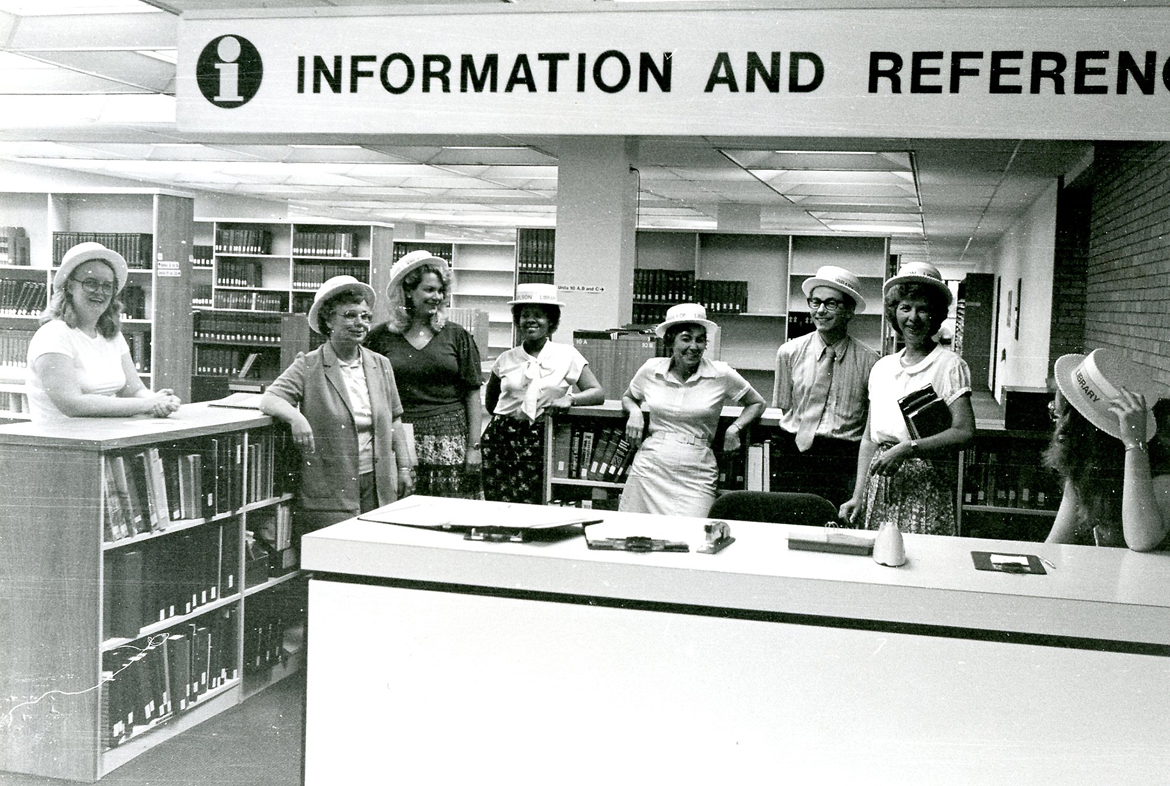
(875, 229)
(165, 55)
(65, 7)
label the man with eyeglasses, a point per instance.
(820, 385)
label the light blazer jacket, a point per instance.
(329, 475)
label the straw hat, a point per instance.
(919, 273)
(1090, 383)
(84, 252)
(411, 261)
(332, 287)
(537, 294)
(685, 312)
(837, 278)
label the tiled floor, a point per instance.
(257, 743)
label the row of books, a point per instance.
(14, 246)
(324, 243)
(134, 302)
(14, 353)
(202, 256)
(139, 343)
(270, 620)
(799, 323)
(1009, 478)
(311, 275)
(722, 297)
(171, 576)
(615, 356)
(210, 326)
(239, 273)
(535, 252)
(150, 682)
(202, 295)
(137, 248)
(225, 361)
(23, 298)
(581, 452)
(663, 287)
(13, 403)
(145, 491)
(243, 240)
(444, 251)
(250, 301)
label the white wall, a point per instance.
(1024, 262)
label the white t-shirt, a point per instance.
(97, 362)
(889, 381)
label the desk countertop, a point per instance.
(1087, 593)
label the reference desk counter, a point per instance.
(435, 659)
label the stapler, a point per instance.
(718, 537)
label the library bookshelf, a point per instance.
(255, 281)
(1002, 490)
(152, 228)
(121, 635)
(484, 279)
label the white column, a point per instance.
(596, 218)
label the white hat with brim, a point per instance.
(536, 294)
(335, 286)
(412, 261)
(685, 312)
(86, 252)
(1090, 383)
(919, 273)
(837, 278)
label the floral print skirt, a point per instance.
(440, 441)
(513, 460)
(919, 497)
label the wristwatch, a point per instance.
(473, 446)
(914, 446)
(1138, 445)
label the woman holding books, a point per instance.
(526, 383)
(437, 367)
(1116, 475)
(674, 471)
(900, 477)
(342, 404)
(79, 363)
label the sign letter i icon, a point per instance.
(228, 50)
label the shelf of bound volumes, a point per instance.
(239, 346)
(535, 255)
(152, 582)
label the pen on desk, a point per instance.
(1049, 564)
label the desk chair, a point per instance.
(774, 507)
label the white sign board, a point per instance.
(1084, 73)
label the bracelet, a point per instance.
(1139, 445)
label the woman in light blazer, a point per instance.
(342, 405)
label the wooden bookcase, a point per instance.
(484, 280)
(159, 336)
(263, 274)
(57, 568)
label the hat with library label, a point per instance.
(1091, 383)
(837, 278)
(411, 261)
(86, 252)
(919, 273)
(336, 286)
(684, 312)
(538, 294)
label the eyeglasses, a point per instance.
(92, 286)
(353, 315)
(831, 305)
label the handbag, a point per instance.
(925, 413)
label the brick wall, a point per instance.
(1127, 274)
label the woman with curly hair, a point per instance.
(900, 479)
(1116, 482)
(78, 361)
(437, 368)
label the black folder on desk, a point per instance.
(468, 515)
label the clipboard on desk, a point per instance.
(486, 521)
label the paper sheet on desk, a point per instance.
(443, 513)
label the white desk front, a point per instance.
(432, 659)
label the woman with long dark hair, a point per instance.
(1116, 481)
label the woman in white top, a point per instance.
(78, 362)
(674, 472)
(900, 479)
(526, 383)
